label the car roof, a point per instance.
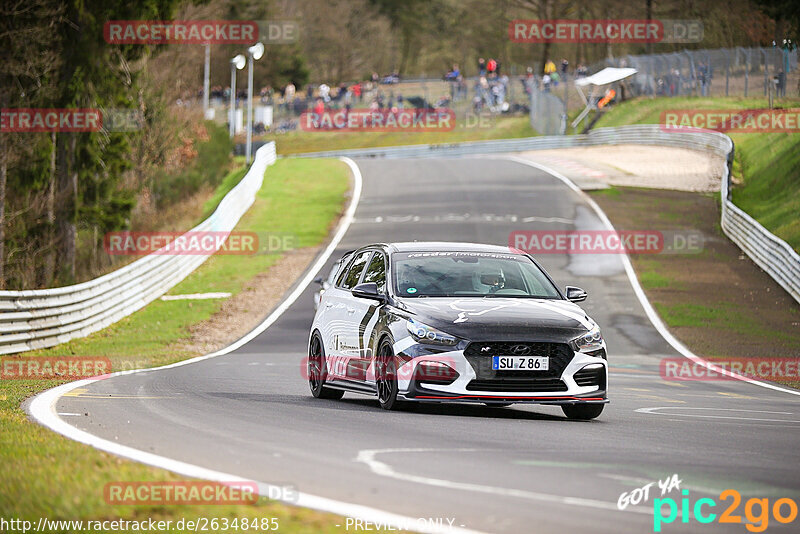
(447, 246)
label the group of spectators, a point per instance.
(490, 91)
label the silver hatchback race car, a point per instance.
(455, 322)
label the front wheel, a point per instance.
(583, 412)
(386, 376)
(318, 372)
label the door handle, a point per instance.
(351, 310)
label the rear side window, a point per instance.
(355, 269)
(376, 272)
(342, 270)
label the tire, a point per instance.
(386, 376)
(582, 412)
(318, 371)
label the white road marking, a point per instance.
(368, 457)
(637, 288)
(656, 411)
(197, 296)
(69, 414)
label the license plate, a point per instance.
(520, 363)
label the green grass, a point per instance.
(720, 316)
(766, 164)
(45, 474)
(653, 280)
(770, 172)
(300, 141)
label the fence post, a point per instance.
(692, 73)
(766, 69)
(727, 69)
(746, 71)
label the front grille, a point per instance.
(479, 355)
(591, 377)
(524, 385)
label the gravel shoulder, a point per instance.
(639, 166)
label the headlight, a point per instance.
(426, 334)
(591, 340)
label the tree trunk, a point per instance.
(649, 17)
(3, 175)
(50, 204)
(545, 57)
(67, 202)
(405, 53)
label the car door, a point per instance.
(341, 333)
(367, 314)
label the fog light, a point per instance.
(434, 372)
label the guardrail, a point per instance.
(45, 317)
(769, 252)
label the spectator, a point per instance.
(702, 78)
(319, 109)
(481, 67)
(325, 92)
(453, 74)
(491, 67)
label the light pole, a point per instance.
(237, 63)
(206, 80)
(255, 52)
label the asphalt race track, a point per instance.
(516, 469)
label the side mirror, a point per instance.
(367, 290)
(318, 280)
(575, 294)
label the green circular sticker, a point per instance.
(411, 290)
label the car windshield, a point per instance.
(469, 274)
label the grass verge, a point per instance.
(717, 302)
(765, 170)
(300, 141)
(46, 475)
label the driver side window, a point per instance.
(376, 272)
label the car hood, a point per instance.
(500, 319)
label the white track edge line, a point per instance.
(43, 407)
(637, 288)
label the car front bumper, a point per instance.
(561, 389)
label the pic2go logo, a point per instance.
(756, 511)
